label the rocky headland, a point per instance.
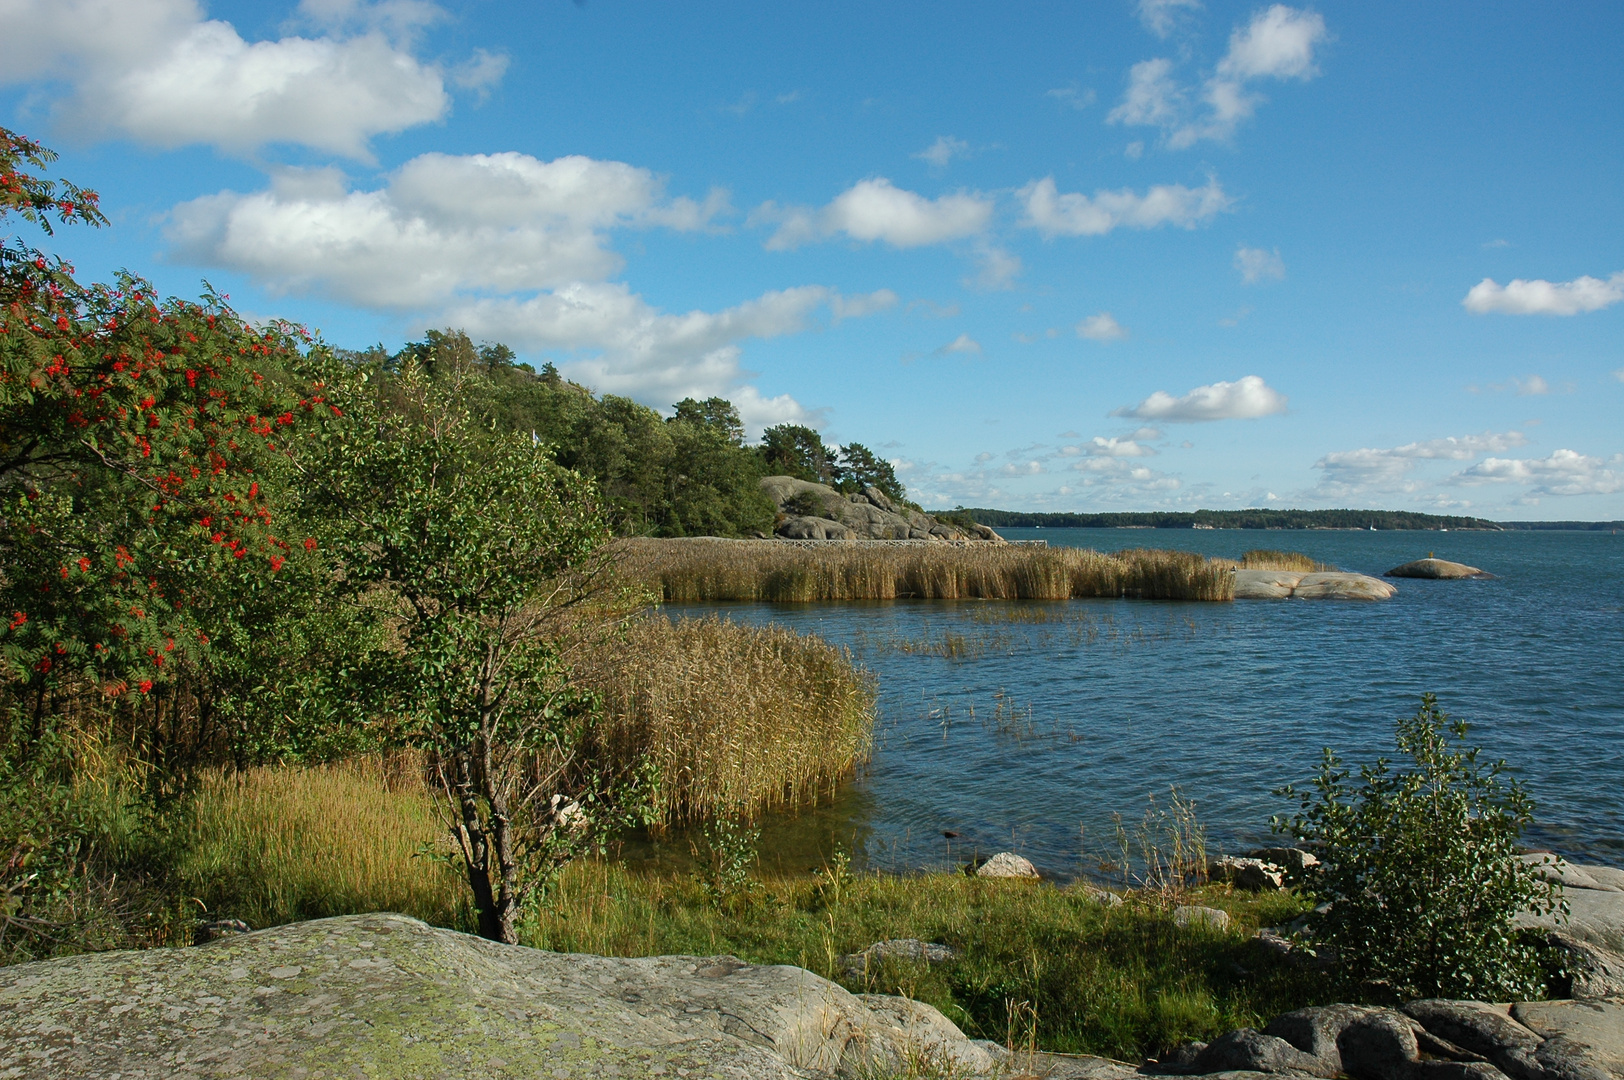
(808, 511)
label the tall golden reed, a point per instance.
(735, 719)
(279, 843)
(703, 569)
(1266, 559)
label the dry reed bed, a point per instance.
(279, 843)
(699, 570)
(1265, 559)
(735, 719)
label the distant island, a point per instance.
(1257, 519)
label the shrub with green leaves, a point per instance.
(1419, 868)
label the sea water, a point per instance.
(1040, 727)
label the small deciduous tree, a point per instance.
(468, 540)
(1419, 867)
(144, 503)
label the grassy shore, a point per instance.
(277, 845)
(701, 570)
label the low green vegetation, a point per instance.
(1419, 870)
(689, 571)
(1121, 981)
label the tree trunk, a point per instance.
(476, 850)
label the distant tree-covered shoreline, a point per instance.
(1261, 519)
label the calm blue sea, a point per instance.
(1029, 725)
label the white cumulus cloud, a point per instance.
(1565, 472)
(440, 225)
(159, 72)
(1540, 297)
(624, 345)
(1101, 327)
(1247, 398)
(944, 150)
(515, 249)
(1278, 43)
(1162, 17)
(876, 209)
(996, 268)
(1351, 470)
(964, 345)
(1116, 448)
(1256, 265)
(1075, 214)
(1153, 97)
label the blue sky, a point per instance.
(1127, 255)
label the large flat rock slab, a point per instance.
(1437, 570)
(1595, 898)
(1324, 585)
(1597, 1027)
(386, 997)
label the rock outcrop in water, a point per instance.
(1437, 570)
(808, 511)
(1326, 585)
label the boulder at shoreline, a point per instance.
(388, 996)
(808, 511)
(1437, 570)
(1323, 585)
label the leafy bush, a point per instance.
(804, 504)
(1419, 868)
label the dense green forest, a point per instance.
(1563, 526)
(689, 474)
(1227, 519)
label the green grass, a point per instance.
(1123, 982)
(278, 845)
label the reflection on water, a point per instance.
(1028, 725)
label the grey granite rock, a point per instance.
(1582, 1038)
(1292, 860)
(1007, 864)
(1483, 1029)
(1596, 972)
(1574, 875)
(1187, 915)
(1595, 916)
(819, 512)
(1289, 584)
(385, 996)
(909, 949)
(1253, 1051)
(1437, 570)
(1255, 875)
